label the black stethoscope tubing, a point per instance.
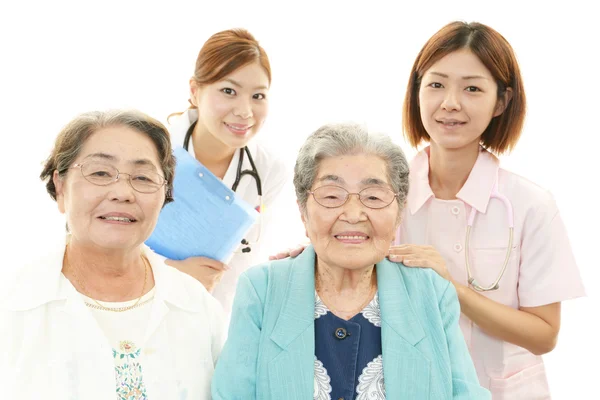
(238, 175)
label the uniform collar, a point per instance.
(179, 127)
(476, 191)
(419, 190)
(178, 130)
(42, 282)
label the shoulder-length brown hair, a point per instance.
(497, 55)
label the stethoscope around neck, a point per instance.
(238, 177)
(511, 224)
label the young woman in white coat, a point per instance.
(229, 98)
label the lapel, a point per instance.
(88, 347)
(291, 372)
(73, 345)
(162, 292)
(406, 370)
(179, 127)
(169, 293)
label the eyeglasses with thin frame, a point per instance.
(331, 196)
(141, 180)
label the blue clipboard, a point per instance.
(206, 219)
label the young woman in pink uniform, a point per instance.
(496, 236)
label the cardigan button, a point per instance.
(340, 333)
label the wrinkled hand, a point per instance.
(413, 255)
(291, 252)
(206, 270)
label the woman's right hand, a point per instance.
(291, 252)
(206, 270)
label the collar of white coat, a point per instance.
(476, 191)
(43, 282)
(178, 130)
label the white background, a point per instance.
(332, 61)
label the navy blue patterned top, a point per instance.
(348, 363)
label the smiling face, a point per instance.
(458, 98)
(234, 109)
(114, 216)
(351, 236)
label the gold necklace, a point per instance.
(101, 306)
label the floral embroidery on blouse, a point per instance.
(322, 382)
(128, 370)
(372, 312)
(320, 307)
(370, 382)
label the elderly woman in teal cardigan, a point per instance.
(340, 321)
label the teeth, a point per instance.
(238, 129)
(352, 237)
(122, 219)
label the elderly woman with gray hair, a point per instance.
(102, 316)
(341, 321)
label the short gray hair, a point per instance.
(334, 140)
(73, 136)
